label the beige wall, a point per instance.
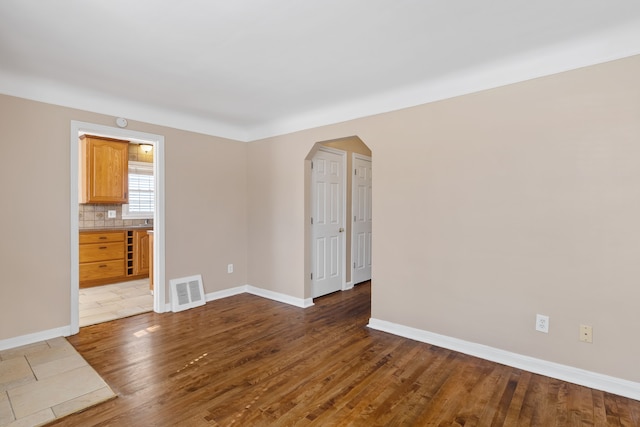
(276, 216)
(488, 208)
(206, 183)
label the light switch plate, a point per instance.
(111, 214)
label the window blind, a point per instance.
(141, 190)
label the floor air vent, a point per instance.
(186, 293)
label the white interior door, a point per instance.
(327, 222)
(362, 220)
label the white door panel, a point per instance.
(362, 219)
(327, 222)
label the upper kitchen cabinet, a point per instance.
(104, 169)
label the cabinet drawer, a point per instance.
(107, 236)
(101, 270)
(101, 252)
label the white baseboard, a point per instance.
(570, 374)
(347, 286)
(63, 331)
(211, 296)
(264, 293)
(277, 296)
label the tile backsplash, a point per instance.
(95, 216)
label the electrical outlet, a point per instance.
(586, 333)
(111, 214)
(542, 323)
(229, 268)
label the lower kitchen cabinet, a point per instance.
(139, 249)
(102, 256)
(113, 256)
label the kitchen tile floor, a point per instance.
(109, 302)
(44, 381)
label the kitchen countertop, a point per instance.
(123, 228)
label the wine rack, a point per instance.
(129, 254)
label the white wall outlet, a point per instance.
(229, 268)
(586, 333)
(111, 214)
(542, 323)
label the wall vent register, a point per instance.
(186, 293)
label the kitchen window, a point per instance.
(141, 192)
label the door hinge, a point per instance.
(311, 165)
(354, 265)
(355, 171)
(354, 218)
(311, 276)
(311, 220)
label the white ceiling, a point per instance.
(247, 69)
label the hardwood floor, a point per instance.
(249, 361)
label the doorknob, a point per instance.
(341, 230)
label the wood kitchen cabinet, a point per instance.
(113, 256)
(102, 257)
(150, 233)
(137, 253)
(104, 170)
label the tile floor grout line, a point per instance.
(31, 366)
(13, 412)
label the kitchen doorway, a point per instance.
(122, 231)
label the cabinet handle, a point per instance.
(103, 266)
(103, 247)
(103, 237)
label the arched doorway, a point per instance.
(355, 242)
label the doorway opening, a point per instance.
(338, 237)
(133, 234)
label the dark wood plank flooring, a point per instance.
(249, 361)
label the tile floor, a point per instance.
(109, 302)
(47, 380)
(44, 381)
